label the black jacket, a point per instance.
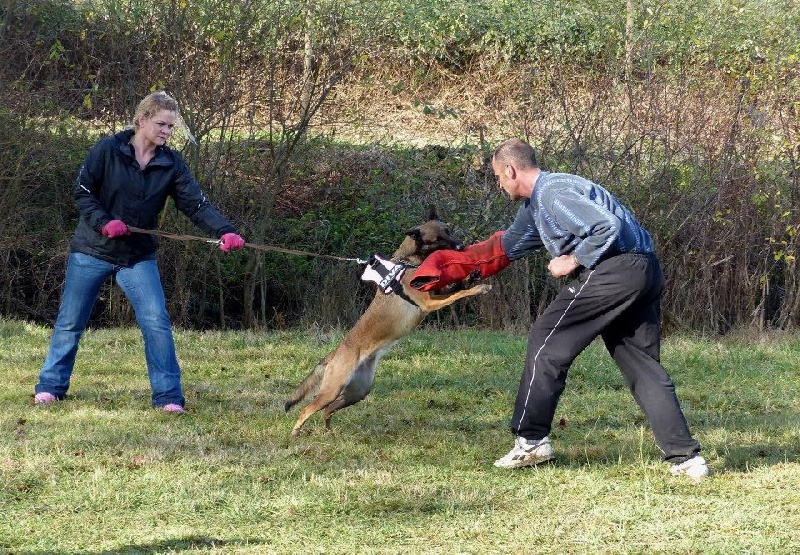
(112, 186)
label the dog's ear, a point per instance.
(432, 215)
(415, 233)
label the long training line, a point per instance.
(179, 237)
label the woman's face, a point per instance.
(158, 128)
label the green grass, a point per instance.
(408, 470)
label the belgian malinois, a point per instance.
(345, 376)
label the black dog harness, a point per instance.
(387, 275)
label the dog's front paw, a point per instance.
(473, 278)
(483, 288)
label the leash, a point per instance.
(256, 246)
(383, 272)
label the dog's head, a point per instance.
(426, 238)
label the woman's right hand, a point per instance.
(115, 228)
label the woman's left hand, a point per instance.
(231, 242)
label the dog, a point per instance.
(345, 376)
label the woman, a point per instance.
(126, 180)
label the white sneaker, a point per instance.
(527, 453)
(695, 468)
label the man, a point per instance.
(615, 292)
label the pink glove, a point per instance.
(231, 242)
(115, 228)
(444, 267)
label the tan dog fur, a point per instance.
(345, 376)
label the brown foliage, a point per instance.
(707, 160)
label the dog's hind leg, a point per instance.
(355, 390)
(323, 399)
(310, 383)
(336, 374)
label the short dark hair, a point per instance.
(516, 152)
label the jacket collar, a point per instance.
(163, 153)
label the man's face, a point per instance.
(505, 174)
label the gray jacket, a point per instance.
(568, 214)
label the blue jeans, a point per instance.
(141, 284)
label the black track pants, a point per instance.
(619, 300)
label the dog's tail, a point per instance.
(309, 384)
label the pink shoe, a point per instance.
(44, 398)
(173, 408)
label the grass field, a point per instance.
(408, 470)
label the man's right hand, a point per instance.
(115, 228)
(563, 265)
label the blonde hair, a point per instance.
(152, 104)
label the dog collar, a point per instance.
(387, 275)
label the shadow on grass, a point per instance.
(749, 440)
(745, 458)
(193, 543)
